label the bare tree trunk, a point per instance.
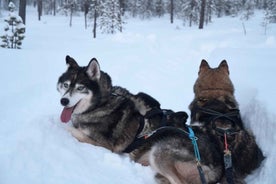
(171, 11)
(12, 41)
(95, 21)
(54, 7)
(71, 14)
(122, 6)
(244, 29)
(202, 14)
(86, 10)
(39, 9)
(190, 20)
(85, 20)
(22, 10)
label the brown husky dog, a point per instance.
(215, 111)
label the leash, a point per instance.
(197, 154)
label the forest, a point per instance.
(109, 16)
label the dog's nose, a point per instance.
(64, 101)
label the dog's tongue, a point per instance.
(66, 114)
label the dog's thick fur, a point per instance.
(111, 117)
(214, 91)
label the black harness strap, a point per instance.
(214, 115)
(139, 141)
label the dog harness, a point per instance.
(142, 139)
(165, 128)
(228, 165)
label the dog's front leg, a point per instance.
(80, 136)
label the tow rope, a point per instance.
(197, 155)
(227, 157)
(228, 162)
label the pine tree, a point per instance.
(133, 7)
(110, 20)
(202, 14)
(210, 9)
(248, 10)
(233, 7)
(39, 9)
(93, 14)
(13, 31)
(271, 11)
(247, 13)
(86, 6)
(22, 10)
(122, 6)
(171, 10)
(69, 7)
(49, 7)
(159, 8)
(146, 9)
(190, 11)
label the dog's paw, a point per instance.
(80, 136)
(76, 133)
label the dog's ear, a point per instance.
(93, 69)
(203, 66)
(71, 63)
(224, 66)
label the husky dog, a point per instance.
(111, 117)
(215, 111)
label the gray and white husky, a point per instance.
(113, 118)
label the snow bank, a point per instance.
(150, 56)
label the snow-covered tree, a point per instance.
(93, 14)
(190, 11)
(248, 9)
(142, 8)
(86, 6)
(247, 13)
(69, 7)
(39, 9)
(270, 12)
(210, 9)
(202, 14)
(110, 20)
(171, 10)
(227, 7)
(50, 7)
(22, 10)
(13, 31)
(159, 8)
(133, 7)
(233, 7)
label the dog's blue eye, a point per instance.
(80, 88)
(65, 85)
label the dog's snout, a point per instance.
(64, 101)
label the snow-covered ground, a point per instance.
(155, 57)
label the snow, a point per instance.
(153, 56)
